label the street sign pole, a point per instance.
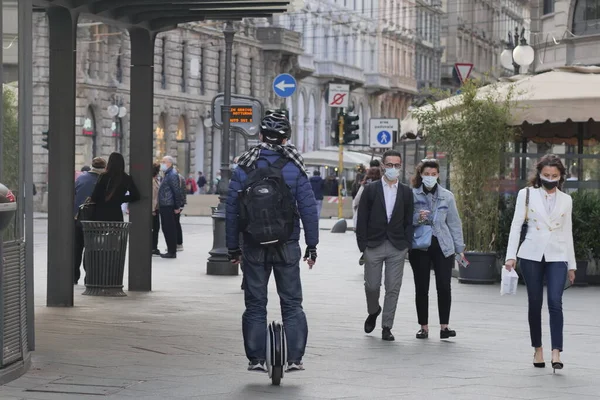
(340, 161)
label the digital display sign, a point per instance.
(241, 114)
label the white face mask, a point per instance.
(429, 181)
(392, 173)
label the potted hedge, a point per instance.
(586, 220)
(473, 133)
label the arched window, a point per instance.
(183, 148)
(160, 140)
(586, 17)
(89, 130)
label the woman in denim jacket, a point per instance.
(436, 206)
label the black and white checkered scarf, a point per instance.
(249, 158)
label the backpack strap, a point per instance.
(281, 162)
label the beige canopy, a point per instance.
(563, 94)
(328, 157)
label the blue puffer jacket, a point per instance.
(301, 190)
(169, 192)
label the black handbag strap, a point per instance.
(527, 206)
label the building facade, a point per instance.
(189, 72)
(367, 44)
(428, 46)
(476, 32)
(565, 32)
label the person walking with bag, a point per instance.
(170, 203)
(437, 239)
(543, 221)
(384, 233)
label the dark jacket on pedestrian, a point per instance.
(318, 186)
(301, 190)
(84, 187)
(183, 189)
(201, 181)
(109, 198)
(372, 228)
(170, 193)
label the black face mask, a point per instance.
(549, 185)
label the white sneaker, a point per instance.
(258, 366)
(295, 366)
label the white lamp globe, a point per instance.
(122, 112)
(523, 55)
(112, 110)
(506, 59)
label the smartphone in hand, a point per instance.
(462, 261)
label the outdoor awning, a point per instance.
(566, 94)
(328, 157)
(157, 15)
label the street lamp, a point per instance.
(516, 57)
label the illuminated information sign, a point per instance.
(241, 114)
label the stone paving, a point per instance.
(183, 340)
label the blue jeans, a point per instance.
(258, 264)
(319, 207)
(556, 276)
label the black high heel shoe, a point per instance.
(557, 365)
(538, 364)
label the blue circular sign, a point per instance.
(284, 85)
(384, 137)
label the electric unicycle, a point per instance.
(276, 351)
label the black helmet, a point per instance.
(275, 126)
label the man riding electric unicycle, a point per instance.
(268, 194)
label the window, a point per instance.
(119, 74)
(202, 74)
(586, 18)
(548, 6)
(234, 74)
(252, 77)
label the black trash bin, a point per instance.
(104, 258)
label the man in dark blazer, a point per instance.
(384, 233)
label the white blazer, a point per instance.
(548, 236)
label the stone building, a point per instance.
(189, 72)
(428, 48)
(565, 32)
(364, 43)
(476, 31)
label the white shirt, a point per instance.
(549, 201)
(389, 193)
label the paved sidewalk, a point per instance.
(183, 340)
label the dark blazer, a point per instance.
(110, 210)
(372, 227)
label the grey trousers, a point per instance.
(394, 270)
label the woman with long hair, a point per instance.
(434, 206)
(111, 190)
(547, 251)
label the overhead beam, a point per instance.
(202, 15)
(125, 11)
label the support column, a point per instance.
(218, 262)
(62, 24)
(140, 159)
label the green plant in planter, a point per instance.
(506, 212)
(473, 132)
(586, 220)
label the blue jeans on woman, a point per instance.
(556, 276)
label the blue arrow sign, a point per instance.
(284, 85)
(384, 137)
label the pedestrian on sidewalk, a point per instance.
(318, 186)
(384, 233)
(84, 187)
(547, 251)
(201, 183)
(111, 190)
(155, 210)
(275, 187)
(170, 202)
(435, 206)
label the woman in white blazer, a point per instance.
(546, 251)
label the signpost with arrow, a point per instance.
(284, 85)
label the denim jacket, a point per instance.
(447, 226)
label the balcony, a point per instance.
(332, 70)
(304, 66)
(280, 40)
(403, 84)
(377, 83)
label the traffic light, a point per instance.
(45, 137)
(349, 127)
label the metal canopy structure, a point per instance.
(143, 19)
(159, 15)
